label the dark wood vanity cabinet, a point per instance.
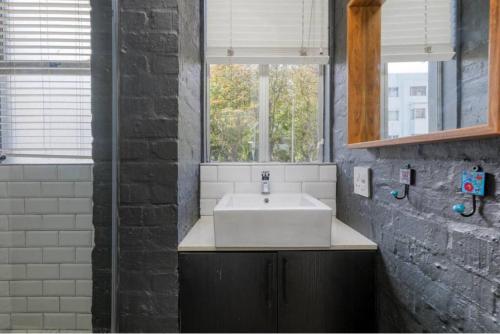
(283, 291)
(228, 292)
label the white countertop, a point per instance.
(201, 239)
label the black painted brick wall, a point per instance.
(436, 271)
(101, 152)
(159, 158)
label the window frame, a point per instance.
(264, 155)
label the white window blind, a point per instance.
(417, 30)
(45, 77)
(267, 31)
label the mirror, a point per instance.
(422, 71)
(434, 66)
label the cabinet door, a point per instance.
(329, 291)
(228, 292)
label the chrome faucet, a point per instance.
(265, 184)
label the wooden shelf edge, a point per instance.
(475, 132)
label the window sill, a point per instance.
(45, 161)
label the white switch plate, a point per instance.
(362, 181)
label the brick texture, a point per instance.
(160, 141)
(437, 272)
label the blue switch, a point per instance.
(394, 193)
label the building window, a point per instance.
(393, 92)
(418, 91)
(265, 91)
(393, 115)
(419, 113)
(45, 78)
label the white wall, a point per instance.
(318, 180)
(46, 238)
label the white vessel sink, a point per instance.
(276, 220)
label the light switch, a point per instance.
(362, 182)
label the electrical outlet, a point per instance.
(362, 181)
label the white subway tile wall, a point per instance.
(318, 180)
(46, 239)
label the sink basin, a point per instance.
(276, 220)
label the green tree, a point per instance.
(293, 112)
(294, 130)
(233, 112)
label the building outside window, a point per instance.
(393, 92)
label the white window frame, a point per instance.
(264, 153)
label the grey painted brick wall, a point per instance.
(101, 152)
(159, 158)
(190, 137)
(436, 271)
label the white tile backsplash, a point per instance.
(277, 172)
(233, 174)
(58, 189)
(43, 304)
(46, 238)
(59, 288)
(301, 173)
(207, 206)
(215, 189)
(40, 173)
(11, 173)
(320, 189)
(42, 271)
(218, 179)
(246, 187)
(59, 321)
(31, 321)
(41, 205)
(23, 189)
(208, 173)
(328, 173)
(25, 288)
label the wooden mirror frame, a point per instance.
(364, 20)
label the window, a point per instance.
(419, 113)
(291, 97)
(393, 115)
(418, 91)
(413, 80)
(45, 78)
(393, 92)
(265, 82)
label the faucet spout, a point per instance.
(265, 185)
